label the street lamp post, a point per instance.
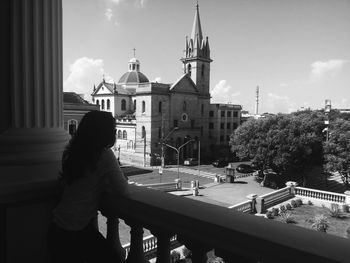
(163, 142)
(178, 154)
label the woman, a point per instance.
(89, 170)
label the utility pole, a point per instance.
(144, 150)
(199, 158)
(327, 110)
(162, 157)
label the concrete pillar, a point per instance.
(260, 205)
(347, 197)
(252, 197)
(32, 137)
(178, 184)
(292, 186)
(31, 128)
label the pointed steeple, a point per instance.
(197, 28)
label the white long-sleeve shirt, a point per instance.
(80, 199)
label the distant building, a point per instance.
(74, 108)
(146, 112)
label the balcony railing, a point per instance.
(236, 237)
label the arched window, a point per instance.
(125, 135)
(203, 70)
(103, 104)
(108, 104)
(184, 106)
(134, 105)
(97, 102)
(189, 69)
(160, 107)
(123, 104)
(202, 109)
(72, 126)
(119, 134)
(143, 106)
(143, 132)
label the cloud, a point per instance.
(138, 3)
(223, 93)
(109, 14)
(157, 79)
(322, 69)
(276, 103)
(84, 73)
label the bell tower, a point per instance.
(196, 60)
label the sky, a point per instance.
(296, 51)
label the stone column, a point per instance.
(32, 137)
(31, 130)
(252, 197)
(347, 197)
(292, 186)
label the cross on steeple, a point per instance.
(134, 52)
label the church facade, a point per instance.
(153, 116)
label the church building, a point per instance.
(149, 113)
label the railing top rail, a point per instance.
(240, 204)
(319, 191)
(226, 229)
(159, 184)
(275, 192)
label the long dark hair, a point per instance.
(95, 133)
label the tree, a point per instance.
(286, 142)
(337, 149)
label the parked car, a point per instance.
(191, 161)
(245, 168)
(219, 163)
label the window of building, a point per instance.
(228, 138)
(143, 106)
(211, 125)
(228, 125)
(160, 107)
(235, 125)
(221, 138)
(222, 125)
(189, 69)
(120, 135)
(229, 113)
(108, 104)
(97, 102)
(134, 105)
(175, 123)
(125, 135)
(143, 132)
(211, 113)
(184, 106)
(72, 126)
(123, 104)
(202, 109)
(192, 124)
(103, 104)
(235, 114)
(222, 113)
(203, 70)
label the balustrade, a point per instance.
(318, 194)
(202, 227)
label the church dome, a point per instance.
(133, 77)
